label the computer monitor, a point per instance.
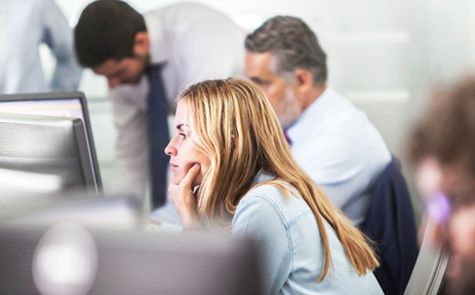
(109, 212)
(59, 104)
(44, 155)
(70, 259)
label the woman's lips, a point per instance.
(174, 167)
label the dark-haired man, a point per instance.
(330, 139)
(442, 148)
(147, 61)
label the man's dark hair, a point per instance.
(106, 29)
(447, 129)
(293, 44)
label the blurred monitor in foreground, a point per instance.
(44, 154)
(71, 105)
(70, 259)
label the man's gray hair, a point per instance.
(292, 43)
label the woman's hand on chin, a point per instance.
(184, 199)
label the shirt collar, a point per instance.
(263, 175)
(300, 128)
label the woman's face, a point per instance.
(183, 148)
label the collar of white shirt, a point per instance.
(300, 129)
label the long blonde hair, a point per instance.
(239, 131)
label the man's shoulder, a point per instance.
(339, 104)
(341, 115)
(180, 9)
(337, 129)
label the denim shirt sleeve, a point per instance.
(259, 218)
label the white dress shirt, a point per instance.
(341, 150)
(194, 43)
(24, 26)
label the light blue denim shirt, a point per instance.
(292, 247)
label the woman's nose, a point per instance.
(169, 149)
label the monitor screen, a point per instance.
(59, 104)
(44, 155)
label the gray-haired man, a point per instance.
(332, 140)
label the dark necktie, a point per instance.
(158, 136)
(289, 141)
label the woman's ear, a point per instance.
(141, 44)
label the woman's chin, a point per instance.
(176, 179)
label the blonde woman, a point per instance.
(232, 168)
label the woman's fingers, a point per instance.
(190, 176)
(183, 198)
(182, 194)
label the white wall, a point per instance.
(383, 54)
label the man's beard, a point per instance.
(292, 110)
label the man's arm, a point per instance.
(58, 36)
(131, 153)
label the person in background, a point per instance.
(147, 59)
(232, 169)
(329, 138)
(24, 26)
(442, 149)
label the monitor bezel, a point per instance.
(48, 96)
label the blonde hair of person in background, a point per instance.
(237, 128)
